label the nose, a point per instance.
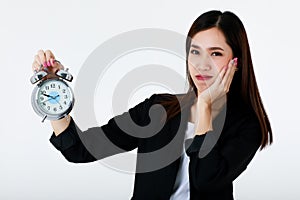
(204, 64)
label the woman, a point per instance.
(216, 150)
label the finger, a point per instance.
(42, 56)
(227, 86)
(223, 72)
(218, 79)
(228, 71)
(229, 75)
(35, 66)
(49, 58)
(58, 65)
(37, 59)
(232, 72)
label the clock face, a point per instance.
(54, 97)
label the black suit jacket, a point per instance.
(212, 169)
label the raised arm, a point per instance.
(98, 142)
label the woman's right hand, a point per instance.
(221, 84)
(45, 60)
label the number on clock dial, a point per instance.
(54, 97)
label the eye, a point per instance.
(216, 53)
(195, 52)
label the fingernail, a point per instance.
(48, 64)
(235, 61)
(232, 62)
(51, 61)
(45, 64)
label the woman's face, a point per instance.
(208, 54)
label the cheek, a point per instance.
(221, 63)
(220, 67)
(192, 73)
(191, 63)
(191, 70)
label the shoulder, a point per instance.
(165, 97)
(243, 113)
(168, 95)
(243, 121)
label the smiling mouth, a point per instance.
(203, 77)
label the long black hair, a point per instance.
(244, 86)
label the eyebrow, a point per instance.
(210, 48)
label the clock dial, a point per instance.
(54, 97)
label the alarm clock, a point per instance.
(52, 98)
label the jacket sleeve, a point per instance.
(225, 162)
(99, 142)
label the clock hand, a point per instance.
(58, 102)
(51, 96)
(47, 95)
(45, 100)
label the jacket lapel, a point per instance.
(176, 127)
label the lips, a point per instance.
(203, 77)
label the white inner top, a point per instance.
(181, 188)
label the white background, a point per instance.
(31, 168)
